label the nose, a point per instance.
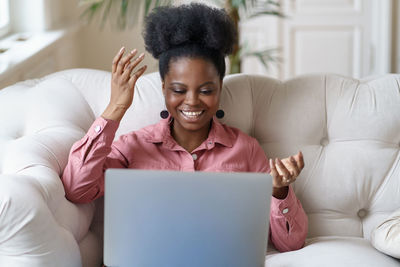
(192, 98)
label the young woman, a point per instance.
(191, 42)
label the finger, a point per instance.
(277, 167)
(130, 66)
(285, 160)
(276, 178)
(272, 169)
(127, 72)
(125, 60)
(117, 59)
(129, 59)
(283, 169)
(137, 74)
(294, 167)
(137, 60)
(300, 160)
(133, 53)
(288, 164)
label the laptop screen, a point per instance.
(171, 218)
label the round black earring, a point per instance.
(164, 114)
(220, 114)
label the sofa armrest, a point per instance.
(30, 233)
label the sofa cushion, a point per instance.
(386, 237)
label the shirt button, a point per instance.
(284, 211)
(194, 156)
(97, 128)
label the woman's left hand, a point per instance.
(285, 171)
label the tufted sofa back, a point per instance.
(348, 130)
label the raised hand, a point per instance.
(286, 171)
(123, 80)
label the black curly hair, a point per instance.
(194, 30)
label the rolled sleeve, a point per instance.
(284, 207)
(288, 223)
(103, 130)
(83, 177)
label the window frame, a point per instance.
(5, 29)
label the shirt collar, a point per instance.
(219, 133)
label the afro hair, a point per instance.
(193, 30)
(170, 26)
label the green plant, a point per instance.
(125, 14)
(122, 14)
(246, 9)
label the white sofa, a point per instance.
(348, 130)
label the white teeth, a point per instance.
(192, 113)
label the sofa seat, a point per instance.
(332, 251)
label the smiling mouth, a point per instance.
(192, 114)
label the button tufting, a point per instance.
(17, 135)
(324, 141)
(362, 213)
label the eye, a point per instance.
(206, 91)
(178, 91)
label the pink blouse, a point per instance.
(225, 150)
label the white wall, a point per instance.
(98, 48)
(83, 46)
(91, 47)
(39, 15)
(33, 13)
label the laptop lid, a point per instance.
(171, 218)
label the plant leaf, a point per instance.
(266, 56)
(219, 3)
(147, 6)
(88, 2)
(239, 3)
(274, 3)
(267, 12)
(90, 11)
(106, 12)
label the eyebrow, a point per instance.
(209, 82)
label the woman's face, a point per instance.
(192, 89)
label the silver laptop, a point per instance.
(185, 219)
